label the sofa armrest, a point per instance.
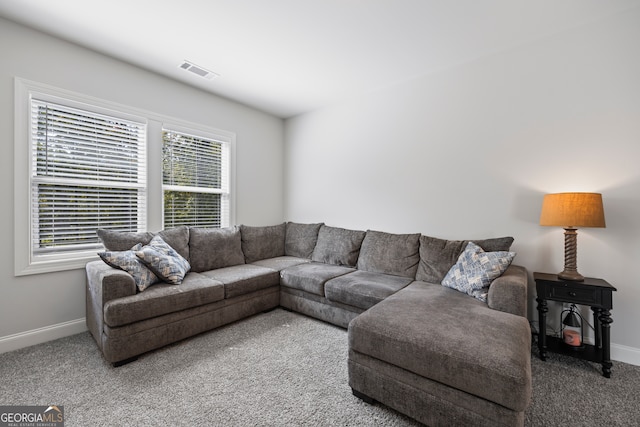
(508, 292)
(105, 283)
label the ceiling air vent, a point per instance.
(198, 70)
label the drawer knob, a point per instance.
(572, 294)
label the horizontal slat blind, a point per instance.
(195, 180)
(193, 209)
(191, 161)
(88, 172)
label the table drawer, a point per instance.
(574, 295)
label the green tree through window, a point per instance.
(194, 170)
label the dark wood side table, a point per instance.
(596, 293)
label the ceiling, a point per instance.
(287, 57)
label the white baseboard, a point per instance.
(625, 354)
(621, 353)
(40, 335)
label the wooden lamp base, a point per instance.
(570, 256)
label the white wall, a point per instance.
(34, 308)
(469, 153)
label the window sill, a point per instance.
(52, 265)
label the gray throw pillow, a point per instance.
(164, 261)
(129, 262)
(438, 255)
(177, 238)
(212, 248)
(476, 269)
(262, 242)
(301, 239)
(338, 246)
(122, 240)
(396, 254)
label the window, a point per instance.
(88, 172)
(195, 177)
(83, 163)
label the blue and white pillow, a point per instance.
(476, 269)
(164, 261)
(129, 262)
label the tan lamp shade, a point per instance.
(572, 210)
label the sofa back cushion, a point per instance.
(437, 256)
(262, 242)
(301, 239)
(338, 246)
(395, 254)
(213, 248)
(177, 238)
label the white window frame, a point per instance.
(25, 263)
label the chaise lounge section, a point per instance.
(434, 353)
(442, 358)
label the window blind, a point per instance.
(88, 172)
(195, 180)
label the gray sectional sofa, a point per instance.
(436, 354)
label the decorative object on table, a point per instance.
(572, 329)
(572, 211)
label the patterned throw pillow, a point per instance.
(476, 269)
(129, 262)
(164, 261)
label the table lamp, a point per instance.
(572, 211)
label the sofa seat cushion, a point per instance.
(451, 338)
(387, 253)
(363, 289)
(312, 276)
(244, 279)
(281, 262)
(163, 298)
